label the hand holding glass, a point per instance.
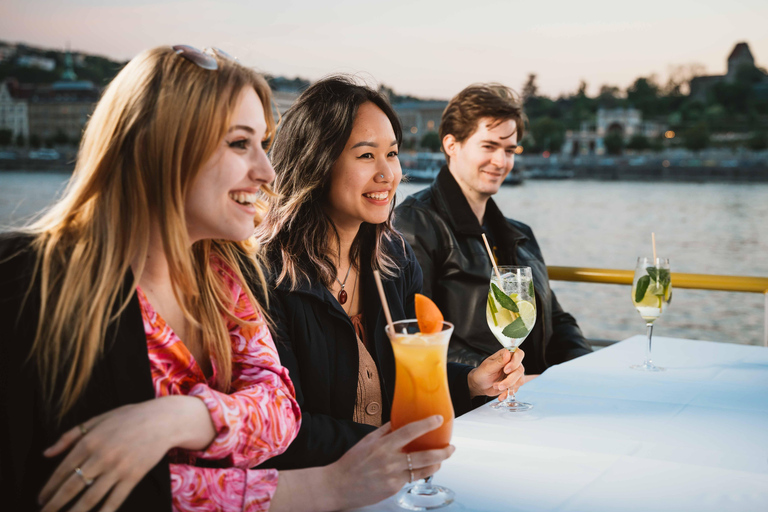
(511, 314)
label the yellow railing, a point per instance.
(745, 284)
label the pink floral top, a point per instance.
(256, 420)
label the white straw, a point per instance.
(384, 304)
(653, 241)
(490, 255)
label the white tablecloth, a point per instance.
(603, 437)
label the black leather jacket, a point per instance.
(444, 233)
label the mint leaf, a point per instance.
(530, 289)
(653, 272)
(516, 329)
(503, 299)
(642, 286)
(665, 277)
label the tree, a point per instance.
(609, 96)
(696, 137)
(639, 142)
(431, 141)
(530, 89)
(758, 141)
(6, 137)
(548, 133)
(614, 143)
(35, 141)
(644, 95)
(60, 138)
(20, 142)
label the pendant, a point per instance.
(342, 297)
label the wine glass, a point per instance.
(651, 294)
(511, 314)
(421, 390)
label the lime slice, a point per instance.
(527, 313)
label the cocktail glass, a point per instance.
(421, 391)
(511, 314)
(651, 294)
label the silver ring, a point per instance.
(83, 429)
(410, 466)
(87, 481)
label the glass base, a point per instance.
(512, 406)
(648, 367)
(423, 497)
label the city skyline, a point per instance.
(426, 49)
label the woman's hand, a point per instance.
(374, 469)
(115, 450)
(498, 373)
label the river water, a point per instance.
(711, 228)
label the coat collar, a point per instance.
(454, 207)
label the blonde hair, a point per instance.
(157, 123)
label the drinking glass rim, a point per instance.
(413, 320)
(651, 259)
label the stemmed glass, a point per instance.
(651, 294)
(511, 314)
(421, 390)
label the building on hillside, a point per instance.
(33, 61)
(63, 107)
(590, 138)
(419, 118)
(740, 57)
(14, 115)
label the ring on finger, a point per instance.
(410, 467)
(83, 429)
(87, 481)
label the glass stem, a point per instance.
(650, 335)
(424, 487)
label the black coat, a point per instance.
(317, 343)
(121, 377)
(447, 239)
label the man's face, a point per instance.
(480, 163)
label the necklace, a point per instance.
(342, 293)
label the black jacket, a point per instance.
(317, 343)
(121, 377)
(447, 239)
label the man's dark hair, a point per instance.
(462, 116)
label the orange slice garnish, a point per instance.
(428, 315)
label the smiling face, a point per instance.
(365, 176)
(220, 202)
(484, 159)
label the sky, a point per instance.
(429, 48)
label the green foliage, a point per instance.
(548, 134)
(643, 94)
(6, 137)
(614, 143)
(60, 138)
(431, 141)
(35, 141)
(758, 141)
(696, 137)
(639, 142)
(20, 142)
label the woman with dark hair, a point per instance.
(327, 230)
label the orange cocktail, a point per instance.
(421, 381)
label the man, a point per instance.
(444, 224)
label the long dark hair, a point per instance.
(312, 136)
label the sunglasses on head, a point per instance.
(206, 59)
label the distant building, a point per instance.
(33, 61)
(419, 118)
(739, 58)
(64, 107)
(13, 111)
(590, 139)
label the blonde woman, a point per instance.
(136, 367)
(327, 230)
